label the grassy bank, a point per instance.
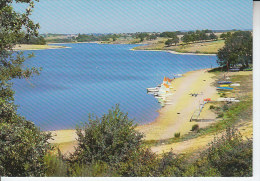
(210, 47)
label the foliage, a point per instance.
(230, 155)
(56, 166)
(33, 40)
(198, 36)
(110, 139)
(98, 37)
(174, 40)
(22, 145)
(237, 50)
(195, 127)
(95, 169)
(22, 148)
(177, 135)
(141, 163)
(141, 35)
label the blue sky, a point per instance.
(117, 16)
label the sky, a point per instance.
(128, 16)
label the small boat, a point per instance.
(154, 89)
(224, 85)
(235, 85)
(224, 88)
(234, 69)
(224, 82)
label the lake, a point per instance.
(91, 78)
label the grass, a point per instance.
(204, 47)
(210, 47)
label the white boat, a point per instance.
(235, 85)
(153, 89)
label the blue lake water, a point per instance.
(91, 78)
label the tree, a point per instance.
(168, 34)
(223, 36)
(142, 36)
(212, 36)
(186, 38)
(169, 42)
(151, 37)
(22, 145)
(237, 50)
(110, 139)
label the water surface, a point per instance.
(91, 78)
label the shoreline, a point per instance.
(174, 52)
(26, 47)
(168, 122)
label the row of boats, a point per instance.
(226, 85)
(162, 91)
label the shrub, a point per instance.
(230, 155)
(211, 107)
(110, 139)
(171, 165)
(95, 169)
(220, 115)
(195, 127)
(56, 166)
(177, 135)
(225, 107)
(22, 149)
(142, 163)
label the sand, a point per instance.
(37, 47)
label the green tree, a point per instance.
(231, 155)
(237, 50)
(169, 42)
(142, 36)
(176, 40)
(110, 139)
(22, 144)
(212, 36)
(223, 36)
(186, 38)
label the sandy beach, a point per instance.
(176, 117)
(172, 118)
(37, 47)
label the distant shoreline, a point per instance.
(174, 52)
(23, 47)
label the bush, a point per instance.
(221, 115)
(225, 107)
(211, 107)
(111, 139)
(230, 155)
(177, 135)
(195, 127)
(56, 166)
(143, 163)
(22, 149)
(95, 169)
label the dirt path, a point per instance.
(201, 142)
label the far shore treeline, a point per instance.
(110, 145)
